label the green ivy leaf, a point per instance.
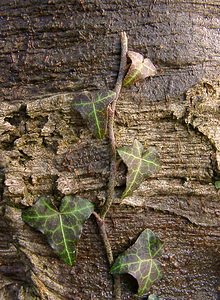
(93, 109)
(140, 165)
(140, 68)
(217, 184)
(62, 227)
(153, 297)
(139, 261)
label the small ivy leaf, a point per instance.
(139, 261)
(140, 165)
(217, 184)
(140, 68)
(93, 109)
(62, 227)
(153, 297)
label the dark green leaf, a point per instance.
(139, 261)
(217, 184)
(62, 228)
(153, 297)
(140, 68)
(140, 165)
(93, 109)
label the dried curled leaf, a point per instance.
(62, 227)
(140, 68)
(139, 261)
(93, 109)
(140, 165)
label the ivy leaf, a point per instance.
(93, 109)
(140, 165)
(217, 184)
(140, 68)
(153, 297)
(62, 227)
(139, 261)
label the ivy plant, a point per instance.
(93, 108)
(141, 164)
(140, 261)
(153, 297)
(140, 68)
(63, 225)
(217, 184)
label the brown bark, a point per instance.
(49, 52)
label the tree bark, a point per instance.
(50, 52)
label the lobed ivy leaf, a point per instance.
(93, 109)
(62, 227)
(140, 165)
(139, 261)
(140, 68)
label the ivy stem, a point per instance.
(111, 121)
(111, 184)
(108, 249)
(104, 236)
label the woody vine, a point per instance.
(63, 226)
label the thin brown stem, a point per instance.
(111, 121)
(103, 233)
(108, 249)
(117, 287)
(111, 184)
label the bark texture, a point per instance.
(53, 50)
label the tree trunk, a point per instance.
(50, 52)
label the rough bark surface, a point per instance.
(49, 52)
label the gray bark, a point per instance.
(53, 50)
